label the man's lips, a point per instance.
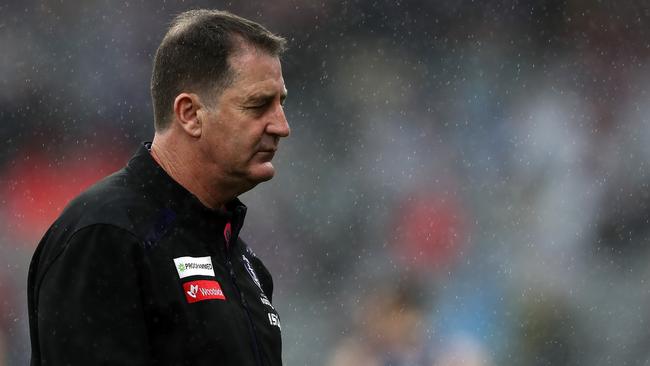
(266, 155)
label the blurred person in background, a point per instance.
(147, 266)
(389, 328)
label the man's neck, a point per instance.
(182, 165)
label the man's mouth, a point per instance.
(266, 155)
(269, 148)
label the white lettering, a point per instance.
(265, 301)
(211, 292)
(274, 319)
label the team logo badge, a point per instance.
(251, 271)
(250, 252)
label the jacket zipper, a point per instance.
(233, 279)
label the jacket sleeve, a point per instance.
(90, 308)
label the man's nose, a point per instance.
(279, 125)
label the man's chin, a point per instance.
(262, 172)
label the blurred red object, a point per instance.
(430, 230)
(38, 187)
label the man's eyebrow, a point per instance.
(261, 97)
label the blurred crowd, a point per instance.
(465, 183)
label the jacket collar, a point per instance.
(154, 181)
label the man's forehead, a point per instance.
(257, 74)
(248, 56)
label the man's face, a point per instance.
(242, 128)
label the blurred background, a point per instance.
(465, 183)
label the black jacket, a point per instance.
(136, 271)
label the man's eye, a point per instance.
(262, 104)
(257, 106)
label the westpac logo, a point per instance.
(203, 290)
(194, 266)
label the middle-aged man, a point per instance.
(146, 267)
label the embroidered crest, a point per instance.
(251, 271)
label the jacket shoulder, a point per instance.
(115, 201)
(115, 205)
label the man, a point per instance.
(146, 267)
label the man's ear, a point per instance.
(186, 106)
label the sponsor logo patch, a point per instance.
(194, 266)
(203, 290)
